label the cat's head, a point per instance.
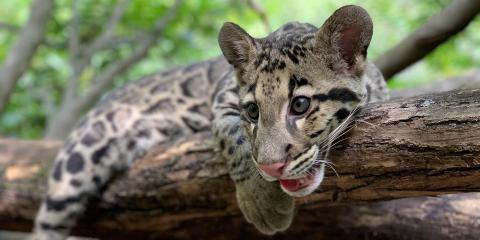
(298, 88)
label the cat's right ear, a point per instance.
(237, 45)
(347, 32)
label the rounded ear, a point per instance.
(237, 46)
(348, 31)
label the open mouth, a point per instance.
(293, 185)
(303, 186)
(297, 183)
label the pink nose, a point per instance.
(274, 170)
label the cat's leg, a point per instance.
(262, 203)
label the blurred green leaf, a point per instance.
(192, 37)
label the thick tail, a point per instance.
(84, 166)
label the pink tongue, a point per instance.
(291, 185)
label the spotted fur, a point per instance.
(325, 65)
(297, 59)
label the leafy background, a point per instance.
(192, 37)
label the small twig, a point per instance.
(24, 48)
(77, 62)
(9, 27)
(107, 35)
(74, 25)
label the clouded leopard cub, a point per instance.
(276, 109)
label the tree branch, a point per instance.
(9, 27)
(19, 56)
(108, 33)
(71, 107)
(81, 54)
(422, 146)
(77, 62)
(260, 11)
(438, 29)
(103, 80)
(74, 45)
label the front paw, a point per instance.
(265, 205)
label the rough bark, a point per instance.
(26, 44)
(438, 29)
(422, 146)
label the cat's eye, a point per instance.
(252, 111)
(299, 105)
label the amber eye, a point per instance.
(300, 105)
(252, 111)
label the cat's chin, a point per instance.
(303, 186)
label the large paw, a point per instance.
(265, 205)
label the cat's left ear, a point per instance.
(347, 33)
(237, 45)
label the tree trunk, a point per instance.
(422, 146)
(61, 122)
(25, 46)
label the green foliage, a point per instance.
(192, 37)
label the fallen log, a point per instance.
(422, 146)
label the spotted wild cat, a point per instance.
(274, 104)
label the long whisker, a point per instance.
(338, 131)
(331, 140)
(345, 123)
(333, 168)
(334, 140)
(321, 161)
(368, 123)
(340, 128)
(309, 172)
